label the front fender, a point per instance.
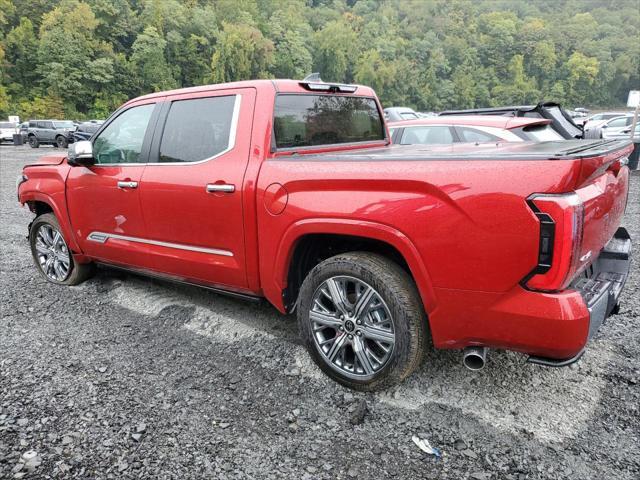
(277, 277)
(58, 204)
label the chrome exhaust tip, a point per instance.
(474, 358)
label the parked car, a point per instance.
(51, 132)
(605, 128)
(622, 134)
(561, 121)
(7, 131)
(600, 117)
(471, 128)
(290, 191)
(394, 114)
(85, 130)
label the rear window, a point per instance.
(541, 133)
(7, 125)
(306, 120)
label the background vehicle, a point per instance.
(561, 121)
(611, 126)
(23, 130)
(85, 130)
(50, 132)
(7, 130)
(394, 114)
(623, 134)
(471, 128)
(599, 117)
(290, 191)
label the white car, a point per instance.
(607, 128)
(7, 130)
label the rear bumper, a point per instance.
(600, 289)
(552, 328)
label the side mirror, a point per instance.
(605, 126)
(80, 153)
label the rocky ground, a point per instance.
(126, 377)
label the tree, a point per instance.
(335, 52)
(241, 53)
(148, 64)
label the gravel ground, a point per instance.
(127, 377)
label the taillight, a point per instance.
(561, 224)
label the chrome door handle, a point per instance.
(127, 184)
(220, 187)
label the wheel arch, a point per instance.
(340, 234)
(40, 203)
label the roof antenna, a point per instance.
(314, 77)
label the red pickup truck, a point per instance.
(290, 191)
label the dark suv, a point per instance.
(50, 132)
(85, 130)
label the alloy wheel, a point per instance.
(352, 327)
(52, 253)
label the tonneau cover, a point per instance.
(552, 150)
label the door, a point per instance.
(47, 133)
(192, 188)
(104, 199)
(616, 126)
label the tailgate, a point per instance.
(603, 191)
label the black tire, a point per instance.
(61, 142)
(33, 141)
(397, 290)
(78, 272)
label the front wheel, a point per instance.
(362, 320)
(52, 255)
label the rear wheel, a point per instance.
(362, 320)
(33, 142)
(52, 255)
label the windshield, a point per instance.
(409, 116)
(302, 120)
(7, 125)
(64, 124)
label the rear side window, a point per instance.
(308, 120)
(619, 122)
(198, 129)
(427, 135)
(475, 135)
(541, 133)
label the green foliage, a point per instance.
(149, 67)
(242, 53)
(83, 58)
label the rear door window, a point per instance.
(199, 129)
(427, 135)
(474, 135)
(618, 122)
(302, 120)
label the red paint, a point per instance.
(463, 226)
